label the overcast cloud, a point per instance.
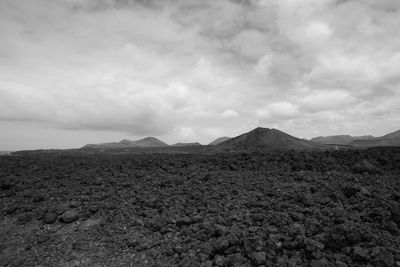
(86, 71)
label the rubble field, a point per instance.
(321, 208)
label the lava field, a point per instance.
(322, 208)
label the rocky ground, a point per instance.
(337, 208)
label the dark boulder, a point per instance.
(69, 216)
(49, 217)
(349, 191)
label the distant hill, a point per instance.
(264, 139)
(145, 142)
(395, 134)
(219, 140)
(187, 144)
(259, 139)
(339, 139)
(390, 139)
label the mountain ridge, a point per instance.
(343, 139)
(262, 139)
(390, 139)
(125, 143)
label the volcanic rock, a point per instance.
(25, 217)
(259, 258)
(11, 210)
(236, 259)
(183, 221)
(49, 217)
(69, 216)
(39, 197)
(360, 254)
(93, 208)
(349, 191)
(197, 210)
(320, 263)
(382, 258)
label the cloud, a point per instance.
(250, 43)
(187, 69)
(317, 34)
(185, 134)
(24, 103)
(229, 114)
(326, 100)
(277, 111)
(264, 65)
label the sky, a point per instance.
(74, 72)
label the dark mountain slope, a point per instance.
(264, 139)
(218, 141)
(395, 134)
